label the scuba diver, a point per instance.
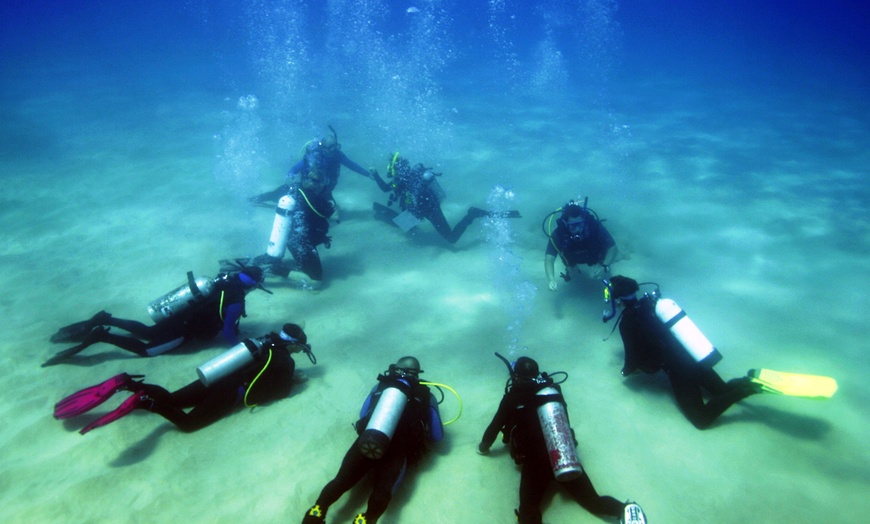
(578, 238)
(200, 309)
(397, 418)
(533, 420)
(256, 372)
(304, 206)
(657, 335)
(419, 196)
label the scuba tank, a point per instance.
(230, 360)
(429, 177)
(558, 435)
(687, 333)
(373, 442)
(281, 226)
(182, 298)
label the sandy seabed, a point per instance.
(108, 215)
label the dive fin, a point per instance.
(138, 400)
(89, 398)
(63, 355)
(794, 384)
(94, 336)
(77, 331)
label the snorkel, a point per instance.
(606, 315)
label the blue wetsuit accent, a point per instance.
(232, 315)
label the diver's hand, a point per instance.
(600, 272)
(382, 185)
(552, 285)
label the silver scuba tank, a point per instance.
(559, 437)
(687, 333)
(281, 226)
(373, 442)
(181, 298)
(230, 360)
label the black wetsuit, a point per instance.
(214, 402)
(650, 347)
(419, 421)
(416, 194)
(589, 249)
(218, 314)
(517, 419)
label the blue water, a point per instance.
(724, 142)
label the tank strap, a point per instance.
(191, 283)
(679, 316)
(540, 400)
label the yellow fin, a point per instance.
(794, 384)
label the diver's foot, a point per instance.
(632, 514)
(747, 385)
(78, 331)
(304, 281)
(476, 212)
(314, 515)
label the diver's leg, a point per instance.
(687, 393)
(387, 477)
(134, 326)
(582, 491)
(436, 217)
(308, 270)
(353, 468)
(534, 479)
(209, 405)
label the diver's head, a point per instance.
(296, 340)
(251, 276)
(624, 288)
(399, 166)
(329, 142)
(406, 366)
(576, 220)
(293, 334)
(525, 369)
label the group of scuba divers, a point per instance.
(401, 414)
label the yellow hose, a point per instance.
(458, 398)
